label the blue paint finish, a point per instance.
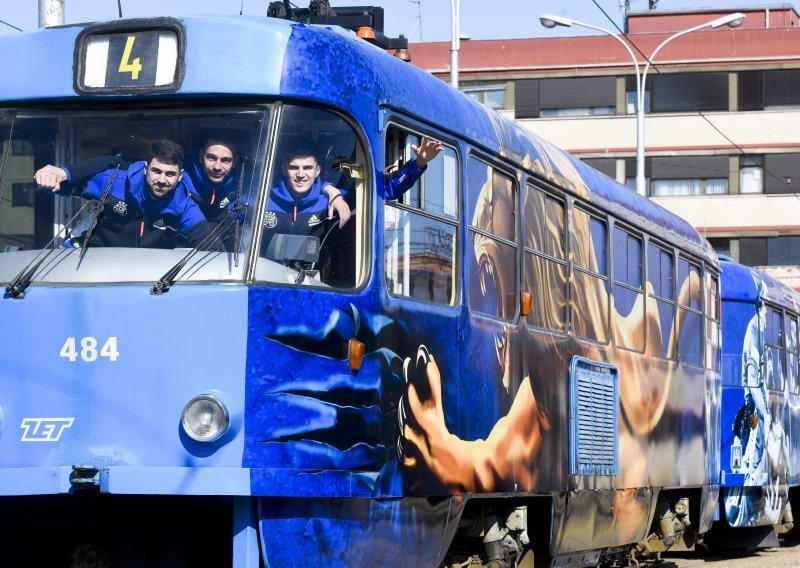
(314, 427)
(737, 283)
(126, 412)
(249, 49)
(306, 410)
(52, 50)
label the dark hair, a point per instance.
(166, 151)
(298, 153)
(222, 140)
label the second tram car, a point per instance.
(760, 400)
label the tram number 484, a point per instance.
(87, 349)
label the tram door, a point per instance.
(421, 250)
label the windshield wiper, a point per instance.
(239, 203)
(16, 289)
(98, 213)
(163, 284)
(4, 163)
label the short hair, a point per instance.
(222, 140)
(298, 153)
(166, 151)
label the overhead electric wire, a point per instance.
(699, 112)
(10, 25)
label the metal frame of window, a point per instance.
(405, 130)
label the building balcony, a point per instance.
(757, 132)
(738, 215)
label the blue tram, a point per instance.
(517, 360)
(760, 388)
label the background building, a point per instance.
(722, 130)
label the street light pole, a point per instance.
(51, 13)
(732, 20)
(455, 16)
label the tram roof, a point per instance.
(230, 56)
(742, 283)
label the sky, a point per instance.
(418, 20)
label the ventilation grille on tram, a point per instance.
(594, 429)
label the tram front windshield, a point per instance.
(137, 234)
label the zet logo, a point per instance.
(44, 429)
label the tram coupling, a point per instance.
(85, 478)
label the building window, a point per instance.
(771, 89)
(607, 166)
(751, 174)
(721, 246)
(782, 173)
(679, 92)
(493, 96)
(574, 96)
(781, 88)
(683, 187)
(578, 111)
(689, 175)
(631, 96)
(770, 251)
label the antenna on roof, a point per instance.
(119, 7)
(419, 16)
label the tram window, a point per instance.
(319, 160)
(792, 353)
(589, 295)
(660, 265)
(711, 289)
(775, 350)
(690, 317)
(491, 255)
(546, 259)
(89, 144)
(432, 191)
(628, 290)
(30, 224)
(421, 227)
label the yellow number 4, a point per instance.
(126, 66)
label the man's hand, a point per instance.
(426, 151)
(337, 205)
(50, 177)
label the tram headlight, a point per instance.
(205, 419)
